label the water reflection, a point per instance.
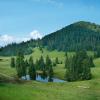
(43, 78)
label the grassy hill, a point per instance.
(32, 90)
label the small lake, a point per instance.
(41, 79)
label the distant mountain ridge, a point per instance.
(77, 36)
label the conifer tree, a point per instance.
(37, 65)
(24, 68)
(20, 64)
(86, 73)
(79, 67)
(91, 63)
(66, 61)
(32, 71)
(57, 60)
(48, 62)
(12, 62)
(26, 63)
(41, 63)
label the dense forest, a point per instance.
(78, 36)
(14, 48)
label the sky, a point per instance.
(21, 20)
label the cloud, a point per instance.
(35, 34)
(7, 39)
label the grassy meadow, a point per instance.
(33, 90)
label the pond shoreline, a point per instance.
(39, 78)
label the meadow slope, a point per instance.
(32, 90)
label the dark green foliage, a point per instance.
(97, 53)
(57, 60)
(79, 67)
(48, 62)
(1, 59)
(49, 69)
(24, 68)
(44, 74)
(41, 63)
(41, 49)
(91, 63)
(37, 65)
(26, 63)
(86, 73)
(32, 71)
(66, 60)
(54, 64)
(12, 62)
(75, 37)
(50, 74)
(20, 65)
(66, 54)
(12, 49)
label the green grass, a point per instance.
(32, 90)
(5, 69)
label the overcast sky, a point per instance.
(21, 20)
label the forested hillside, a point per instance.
(12, 49)
(78, 36)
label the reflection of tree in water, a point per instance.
(50, 79)
(50, 74)
(44, 75)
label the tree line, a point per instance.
(78, 67)
(75, 37)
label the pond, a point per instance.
(42, 79)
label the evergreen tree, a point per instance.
(24, 69)
(41, 63)
(97, 53)
(91, 63)
(86, 73)
(57, 60)
(66, 54)
(26, 63)
(32, 71)
(66, 60)
(48, 62)
(37, 64)
(54, 64)
(79, 67)
(12, 62)
(20, 64)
